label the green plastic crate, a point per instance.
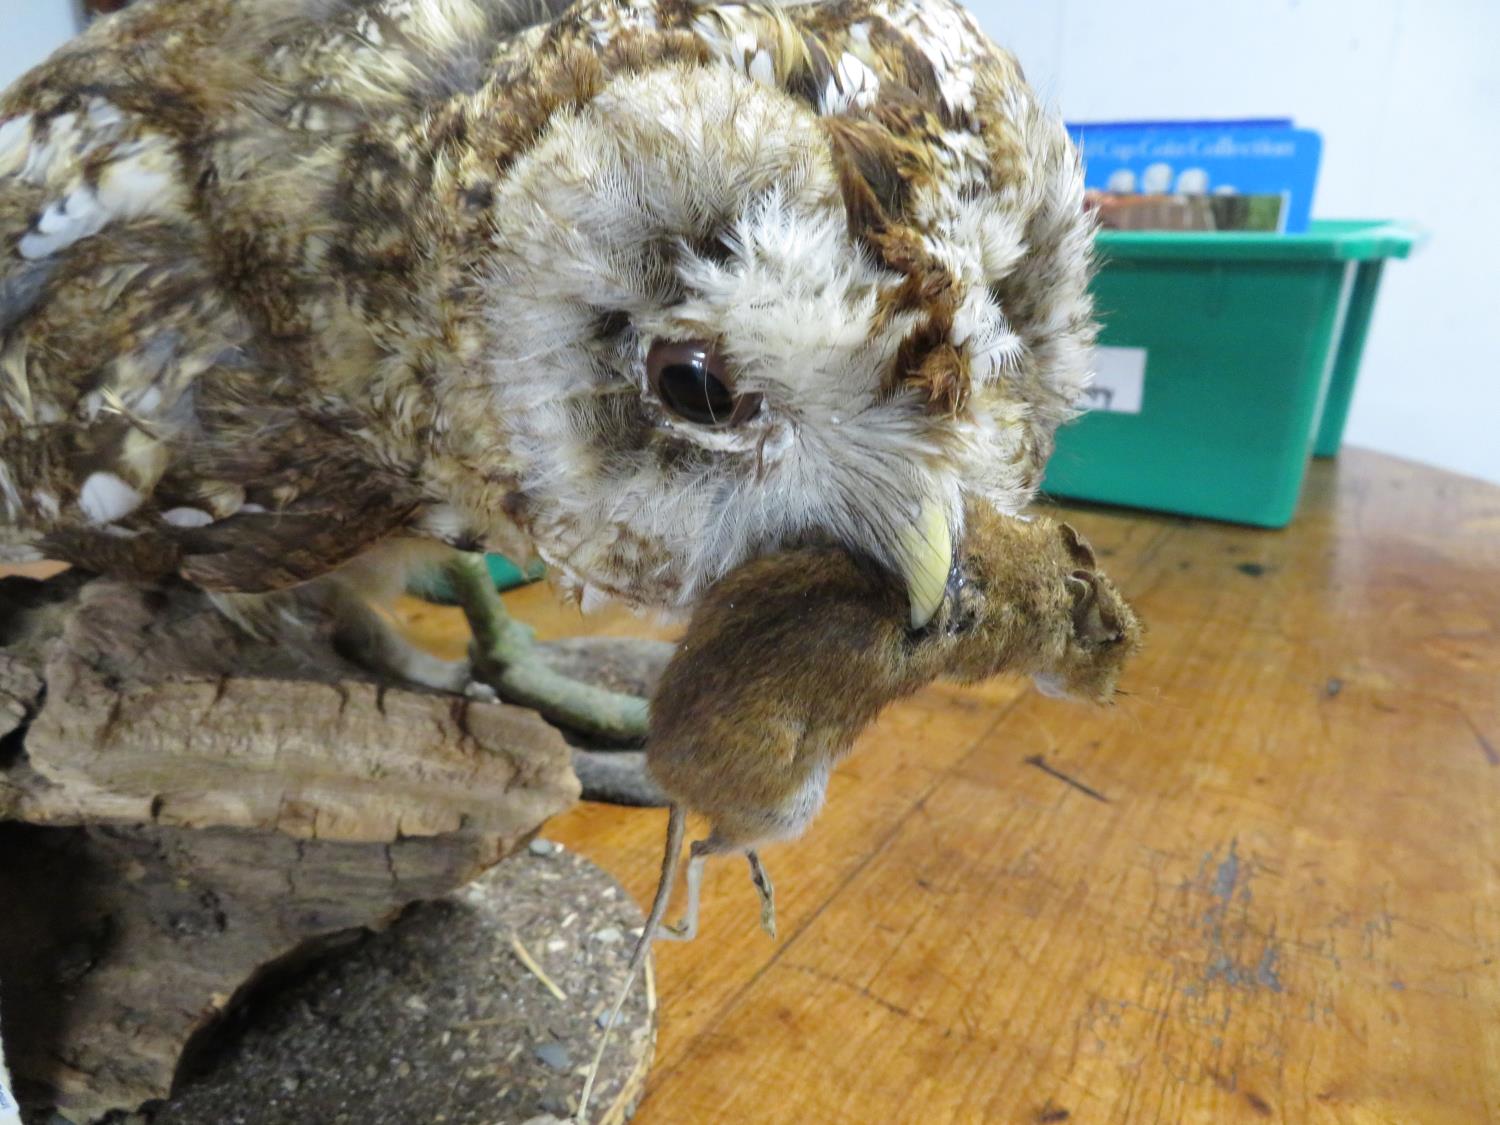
(432, 585)
(1226, 359)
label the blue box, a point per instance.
(1253, 158)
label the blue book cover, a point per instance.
(1250, 158)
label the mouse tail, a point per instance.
(676, 832)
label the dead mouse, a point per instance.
(789, 657)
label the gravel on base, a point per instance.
(437, 1020)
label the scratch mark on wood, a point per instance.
(1231, 883)
(1265, 972)
(1052, 771)
(1491, 755)
(1228, 1084)
(1228, 873)
(1379, 926)
(859, 989)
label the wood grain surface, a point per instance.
(1275, 899)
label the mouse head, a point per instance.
(1028, 597)
(1103, 634)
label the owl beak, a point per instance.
(925, 553)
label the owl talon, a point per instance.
(481, 692)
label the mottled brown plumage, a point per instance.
(283, 282)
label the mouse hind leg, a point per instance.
(789, 822)
(686, 929)
(767, 892)
(698, 852)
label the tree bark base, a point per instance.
(184, 809)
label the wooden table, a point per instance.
(1274, 901)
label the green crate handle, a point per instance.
(1344, 240)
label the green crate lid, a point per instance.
(1339, 240)
(432, 584)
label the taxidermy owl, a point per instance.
(643, 287)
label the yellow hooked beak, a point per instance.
(925, 555)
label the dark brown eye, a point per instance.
(689, 378)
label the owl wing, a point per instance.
(144, 429)
(148, 424)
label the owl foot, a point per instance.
(481, 692)
(505, 657)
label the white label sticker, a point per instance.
(1119, 381)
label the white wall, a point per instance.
(30, 30)
(1407, 96)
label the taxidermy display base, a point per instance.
(187, 812)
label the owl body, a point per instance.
(283, 284)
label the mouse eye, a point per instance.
(690, 379)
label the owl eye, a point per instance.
(689, 378)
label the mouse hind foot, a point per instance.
(767, 892)
(687, 928)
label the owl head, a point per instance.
(766, 295)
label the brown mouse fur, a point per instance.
(789, 657)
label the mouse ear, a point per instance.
(1093, 621)
(1078, 547)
